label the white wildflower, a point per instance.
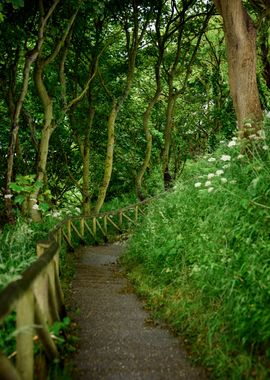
(265, 147)
(35, 207)
(225, 157)
(211, 159)
(196, 268)
(210, 175)
(222, 142)
(261, 134)
(198, 184)
(232, 143)
(219, 172)
(8, 196)
(223, 180)
(210, 189)
(56, 214)
(208, 183)
(240, 156)
(253, 137)
(226, 166)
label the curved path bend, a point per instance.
(115, 340)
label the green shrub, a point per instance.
(201, 258)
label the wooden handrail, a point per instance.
(37, 295)
(10, 295)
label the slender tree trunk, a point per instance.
(132, 49)
(240, 35)
(47, 130)
(17, 108)
(148, 150)
(108, 165)
(168, 137)
(48, 125)
(86, 165)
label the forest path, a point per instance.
(115, 340)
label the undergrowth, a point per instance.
(17, 252)
(201, 259)
(18, 247)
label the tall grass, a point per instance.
(18, 247)
(201, 258)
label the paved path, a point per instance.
(116, 342)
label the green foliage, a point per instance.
(26, 185)
(17, 251)
(18, 247)
(7, 341)
(202, 258)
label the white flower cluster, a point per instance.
(232, 143)
(219, 172)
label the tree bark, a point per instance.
(133, 42)
(108, 165)
(86, 164)
(147, 114)
(148, 138)
(167, 137)
(48, 125)
(240, 36)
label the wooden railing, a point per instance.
(37, 296)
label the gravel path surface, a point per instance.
(116, 340)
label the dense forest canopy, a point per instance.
(98, 99)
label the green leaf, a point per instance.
(15, 187)
(44, 206)
(17, 3)
(19, 199)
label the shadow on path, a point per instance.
(115, 340)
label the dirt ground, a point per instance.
(116, 340)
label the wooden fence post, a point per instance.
(105, 224)
(7, 371)
(136, 213)
(120, 218)
(41, 286)
(94, 227)
(82, 227)
(44, 335)
(24, 338)
(69, 229)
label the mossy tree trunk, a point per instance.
(148, 150)
(133, 41)
(48, 124)
(86, 196)
(172, 74)
(16, 105)
(240, 36)
(161, 40)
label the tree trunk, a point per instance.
(240, 36)
(108, 165)
(133, 39)
(86, 165)
(47, 130)
(167, 138)
(148, 137)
